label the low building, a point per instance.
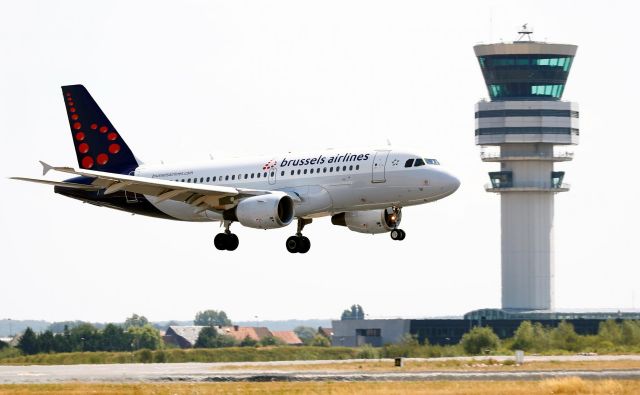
(355, 333)
(326, 332)
(186, 336)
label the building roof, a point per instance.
(327, 332)
(189, 333)
(288, 337)
(241, 332)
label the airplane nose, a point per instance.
(448, 182)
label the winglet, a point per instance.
(45, 167)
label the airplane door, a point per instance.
(273, 173)
(379, 162)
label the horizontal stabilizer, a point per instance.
(45, 167)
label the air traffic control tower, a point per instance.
(526, 127)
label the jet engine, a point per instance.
(370, 221)
(269, 211)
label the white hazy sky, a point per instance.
(184, 79)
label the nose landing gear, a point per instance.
(227, 240)
(298, 242)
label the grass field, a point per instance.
(446, 365)
(566, 386)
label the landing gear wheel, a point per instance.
(398, 234)
(293, 244)
(232, 242)
(305, 245)
(220, 241)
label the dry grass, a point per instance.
(447, 365)
(568, 386)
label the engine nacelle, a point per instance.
(270, 211)
(370, 221)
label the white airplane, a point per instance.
(362, 189)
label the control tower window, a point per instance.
(501, 179)
(418, 162)
(408, 163)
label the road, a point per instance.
(263, 371)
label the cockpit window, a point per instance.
(408, 163)
(432, 161)
(418, 162)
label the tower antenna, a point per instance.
(525, 32)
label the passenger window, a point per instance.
(324, 170)
(208, 179)
(331, 169)
(226, 178)
(292, 172)
(344, 168)
(188, 179)
(351, 168)
(253, 175)
(408, 163)
(299, 171)
(311, 171)
(246, 176)
(282, 173)
(258, 175)
(214, 179)
(201, 179)
(418, 162)
(265, 174)
(183, 180)
(357, 167)
(305, 171)
(272, 174)
(318, 171)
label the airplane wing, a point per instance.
(201, 196)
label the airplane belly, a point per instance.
(178, 210)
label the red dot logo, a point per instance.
(87, 162)
(83, 148)
(103, 129)
(75, 117)
(68, 94)
(114, 148)
(70, 104)
(77, 125)
(102, 159)
(80, 136)
(94, 126)
(72, 109)
(112, 136)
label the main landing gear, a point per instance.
(227, 240)
(299, 243)
(397, 234)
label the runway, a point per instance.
(265, 371)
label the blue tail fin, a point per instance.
(98, 144)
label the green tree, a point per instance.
(135, 320)
(28, 343)
(62, 341)
(630, 333)
(3, 345)
(305, 333)
(84, 337)
(480, 340)
(145, 337)
(212, 318)
(114, 338)
(610, 331)
(564, 337)
(356, 312)
(210, 338)
(271, 340)
(320, 341)
(46, 342)
(248, 342)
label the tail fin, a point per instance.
(98, 144)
